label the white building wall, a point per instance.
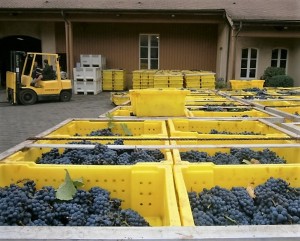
(265, 46)
(294, 62)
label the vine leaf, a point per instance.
(67, 189)
(252, 161)
(110, 120)
(250, 190)
(246, 161)
(78, 182)
(126, 130)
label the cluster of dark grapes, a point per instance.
(236, 156)
(100, 155)
(214, 131)
(27, 206)
(100, 132)
(261, 95)
(273, 202)
(223, 104)
(254, 89)
(220, 109)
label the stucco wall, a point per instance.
(44, 31)
(222, 51)
(265, 46)
(294, 62)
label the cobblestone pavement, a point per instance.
(19, 122)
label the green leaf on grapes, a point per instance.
(67, 189)
(78, 182)
(126, 130)
(246, 162)
(110, 120)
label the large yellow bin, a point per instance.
(197, 177)
(158, 102)
(148, 190)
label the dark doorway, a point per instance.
(15, 43)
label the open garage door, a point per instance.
(15, 43)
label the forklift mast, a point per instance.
(17, 59)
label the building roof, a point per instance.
(237, 10)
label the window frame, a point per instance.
(249, 63)
(149, 47)
(278, 59)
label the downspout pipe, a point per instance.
(69, 45)
(230, 23)
(234, 48)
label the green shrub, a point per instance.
(270, 72)
(281, 81)
(220, 84)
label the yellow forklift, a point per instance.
(19, 89)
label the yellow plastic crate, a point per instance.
(193, 86)
(136, 86)
(119, 98)
(175, 85)
(236, 93)
(118, 87)
(247, 113)
(122, 111)
(278, 103)
(197, 177)
(240, 84)
(290, 154)
(223, 141)
(208, 79)
(107, 87)
(137, 127)
(136, 81)
(137, 74)
(202, 128)
(208, 86)
(291, 110)
(160, 86)
(192, 78)
(145, 87)
(215, 103)
(30, 155)
(126, 111)
(257, 84)
(209, 98)
(148, 190)
(113, 74)
(158, 102)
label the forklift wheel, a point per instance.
(28, 97)
(65, 96)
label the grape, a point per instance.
(214, 131)
(195, 156)
(221, 207)
(100, 155)
(236, 156)
(102, 132)
(275, 203)
(223, 109)
(24, 205)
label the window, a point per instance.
(279, 58)
(149, 51)
(249, 63)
